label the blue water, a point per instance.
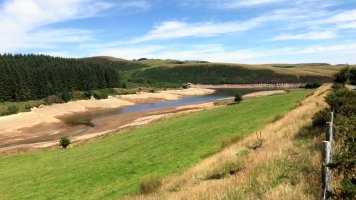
(219, 94)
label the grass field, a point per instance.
(112, 167)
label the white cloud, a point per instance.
(179, 29)
(333, 54)
(229, 4)
(22, 21)
(130, 53)
(350, 25)
(144, 5)
(349, 15)
(307, 36)
(243, 3)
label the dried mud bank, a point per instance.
(45, 123)
(261, 85)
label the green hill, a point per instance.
(113, 166)
(163, 73)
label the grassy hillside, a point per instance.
(223, 73)
(284, 164)
(172, 73)
(113, 167)
(116, 63)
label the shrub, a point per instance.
(152, 90)
(54, 99)
(150, 184)
(343, 76)
(65, 96)
(28, 107)
(238, 98)
(185, 85)
(124, 85)
(88, 94)
(343, 101)
(64, 142)
(312, 85)
(320, 118)
(353, 76)
(98, 95)
(12, 110)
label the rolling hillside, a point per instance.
(161, 73)
(113, 167)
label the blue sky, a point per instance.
(240, 31)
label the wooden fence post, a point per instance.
(326, 173)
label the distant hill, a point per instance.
(156, 72)
(27, 77)
(116, 63)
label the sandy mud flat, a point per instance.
(45, 123)
(261, 85)
(42, 127)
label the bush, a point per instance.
(343, 76)
(28, 107)
(88, 94)
(238, 98)
(64, 142)
(54, 99)
(152, 91)
(343, 101)
(65, 96)
(185, 85)
(353, 76)
(12, 110)
(320, 118)
(124, 85)
(312, 85)
(150, 184)
(98, 95)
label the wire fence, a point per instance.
(327, 159)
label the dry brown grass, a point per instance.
(282, 168)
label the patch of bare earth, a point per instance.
(43, 126)
(266, 165)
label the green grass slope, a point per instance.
(118, 64)
(172, 73)
(112, 167)
(225, 73)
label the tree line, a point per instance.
(30, 77)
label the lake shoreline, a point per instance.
(46, 134)
(241, 86)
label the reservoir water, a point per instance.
(86, 118)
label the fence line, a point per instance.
(327, 158)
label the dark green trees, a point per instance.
(27, 77)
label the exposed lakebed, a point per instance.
(87, 118)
